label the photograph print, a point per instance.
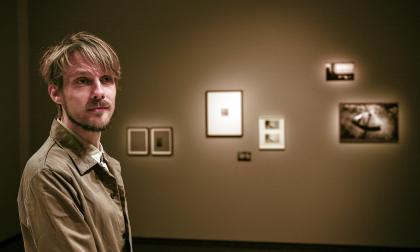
(368, 122)
(137, 141)
(339, 71)
(161, 141)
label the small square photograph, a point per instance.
(272, 138)
(271, 124)
(225, 112)
(369, 122)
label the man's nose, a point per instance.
(98, 91)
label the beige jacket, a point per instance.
(68, 202)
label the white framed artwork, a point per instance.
(224, 113)
(271, 133)
(138, 141)
(161, 141)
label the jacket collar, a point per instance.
(74, 145)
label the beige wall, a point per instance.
(317, 190)
(9, 124)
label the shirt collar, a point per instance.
(95, 153)
(83, 154)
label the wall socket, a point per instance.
(244, 156)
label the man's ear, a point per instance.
(55, 93)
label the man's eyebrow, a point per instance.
(87, 72)
(81, 72)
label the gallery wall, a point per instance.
(9, 179)
(317, 190)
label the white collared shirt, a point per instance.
(98, 155)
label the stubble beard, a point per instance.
(86, 126)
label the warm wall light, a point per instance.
(339, 71)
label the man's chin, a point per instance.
(91, 126)
(97, 126)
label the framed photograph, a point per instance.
(137, 141)
(161, 141)
(368, 122)
(339, 71)
(224, 113)
(271, 133)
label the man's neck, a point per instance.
(91, 137)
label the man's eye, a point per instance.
(82, 81)
(107, 79)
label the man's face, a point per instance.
(87, 96)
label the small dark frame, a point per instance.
(138, 141)
(368, 122)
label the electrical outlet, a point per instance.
(244, 156)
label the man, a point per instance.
(71, 196)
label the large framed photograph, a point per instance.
(161, 141)
(271, 133)
(224, 113)
(368, 122)
(137, 141)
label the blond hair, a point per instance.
(56, 58)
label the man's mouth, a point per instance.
(98, 106)
(98, 109)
